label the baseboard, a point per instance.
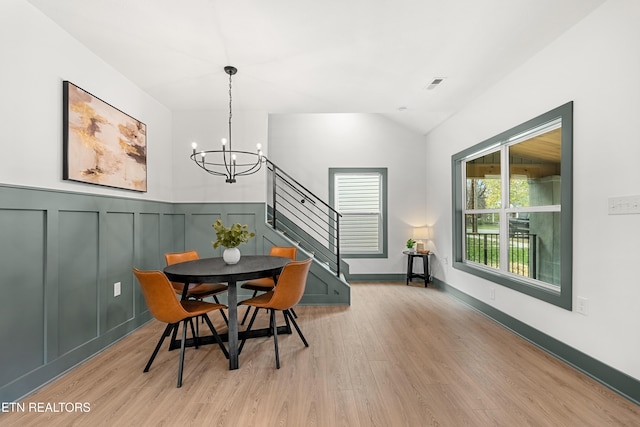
(377, 277)
(43, 375)
(617, 381)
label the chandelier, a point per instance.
(228, 162)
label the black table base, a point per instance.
(215, 270)
(209, 339)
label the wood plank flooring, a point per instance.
(399, 356)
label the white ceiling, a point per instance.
(328, 56)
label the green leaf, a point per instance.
(231, 237)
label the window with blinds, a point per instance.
(359, 196)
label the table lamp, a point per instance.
(420, 234)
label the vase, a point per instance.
(231, 255)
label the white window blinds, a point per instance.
(358, 198)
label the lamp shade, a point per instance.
(421, 233)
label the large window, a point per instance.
(512, 207)
(359, 194)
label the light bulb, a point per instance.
(194, 145)
(224, 141)
(259, 146)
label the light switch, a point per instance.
(624, 205)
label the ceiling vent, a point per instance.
(435, 83)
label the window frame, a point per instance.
(562, 297)
(383, 209)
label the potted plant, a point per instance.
(231, 238)
(410, 244)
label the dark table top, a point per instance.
(207, 270)
(416, 253)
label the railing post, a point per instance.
(273, 191)
(485, 249)
(337, 244)
(533, 255)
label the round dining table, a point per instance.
(215, 270)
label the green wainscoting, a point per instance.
(62, 252)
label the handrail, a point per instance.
(315, 225)
(269, 162)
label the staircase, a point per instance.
(300, 217)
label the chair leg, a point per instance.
(165, 334)
(216, 336)
(275, 337)
(173, 337)
(253, 318)
(184, 338)
(295, 324)
(286, 321)
(202, 320)
(271, 323)
(246, 313)
(293, 312)
(224, 315)
(196, 335)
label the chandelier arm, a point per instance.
(224, 159)
(210, 166)
(253, 169)
(207, 152)
(216, 173)
(203, 165)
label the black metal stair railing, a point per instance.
(303, 217)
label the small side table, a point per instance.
(425, 261)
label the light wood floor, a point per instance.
(399, 356)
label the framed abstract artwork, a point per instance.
(102, 145)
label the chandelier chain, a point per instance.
(230, 110)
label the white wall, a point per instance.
(191, 183)
(37, 55)
(307, 145)
(596, 64)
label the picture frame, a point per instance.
(102, 145)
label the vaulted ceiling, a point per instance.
(329, 56)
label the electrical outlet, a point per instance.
(492, 293)
(582, 306)
(117, 288)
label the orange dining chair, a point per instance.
(266, 284)
(200, 291)
(286, 294)
(161, 301)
